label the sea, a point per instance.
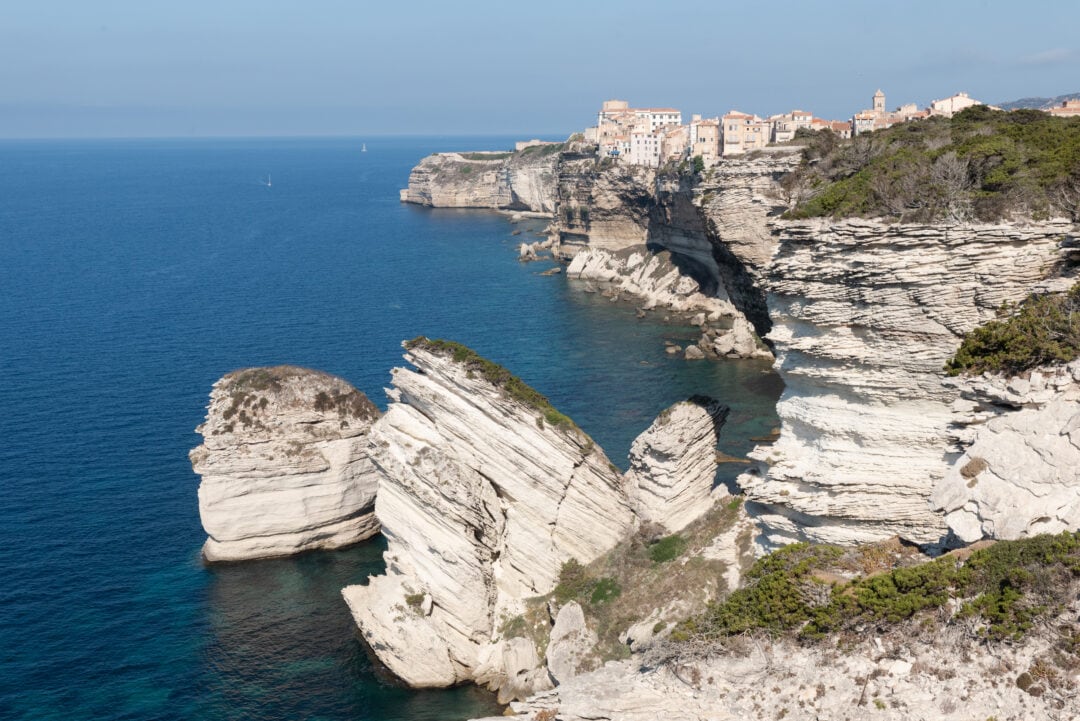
(133, 274)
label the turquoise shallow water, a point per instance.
(132, 275)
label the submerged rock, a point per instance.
(485, 491)
(284, 464)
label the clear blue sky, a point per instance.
(81, 68)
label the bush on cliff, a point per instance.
(1044, 329)
(1003, 589)
(981, 164)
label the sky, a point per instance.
(153, 68)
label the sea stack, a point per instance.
(284, 464)
(673, 463)
(486, 491)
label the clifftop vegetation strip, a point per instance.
(495, 374)
(1004, 589)
(981, 164)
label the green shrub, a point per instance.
(1043, 329)
(573, 583)
(667, 549)
(699, 164)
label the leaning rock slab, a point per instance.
(485, 492)
(284, 464)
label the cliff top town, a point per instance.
(653, 136)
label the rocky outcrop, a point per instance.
(864, 317)
(673, 463)
(1019, 474)
(872, 678)
(570, 648)
(521, 181)
(284, 464)
(485, 492)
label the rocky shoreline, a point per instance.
(520, 558)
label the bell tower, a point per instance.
(879, 101)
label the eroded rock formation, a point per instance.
(485, 492)
(673, 463)
(864, 317)
(284, 464)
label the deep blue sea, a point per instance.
(133, 274)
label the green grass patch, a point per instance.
(667, 549)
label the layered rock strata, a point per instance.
(284, 464)
(1019, 474)
(521, 181)
(864, 317)
(673, 466)
(485, 492)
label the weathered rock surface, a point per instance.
(673, 466)
(739, 197)
(284, 464)
(1019, 474)
(522, 181)
(870, 679)
(483, 497)
(570, 647)
(864, 317)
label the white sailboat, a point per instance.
(363, 147)
(267, 182)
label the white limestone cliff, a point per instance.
(864, 316)
(522, 181)
(284, 464)
(673, 464)
(485, 492)
(1019, 474)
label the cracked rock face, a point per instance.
(284, 464)
(673, 463)
(481, 501)
(865, 316)
(1019, 474)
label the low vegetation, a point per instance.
(1044, 329)
(981, 164)
(248, 388)
(485, 156)
(542, 150)
(999, 591)
(642, 574)
(498, 376)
